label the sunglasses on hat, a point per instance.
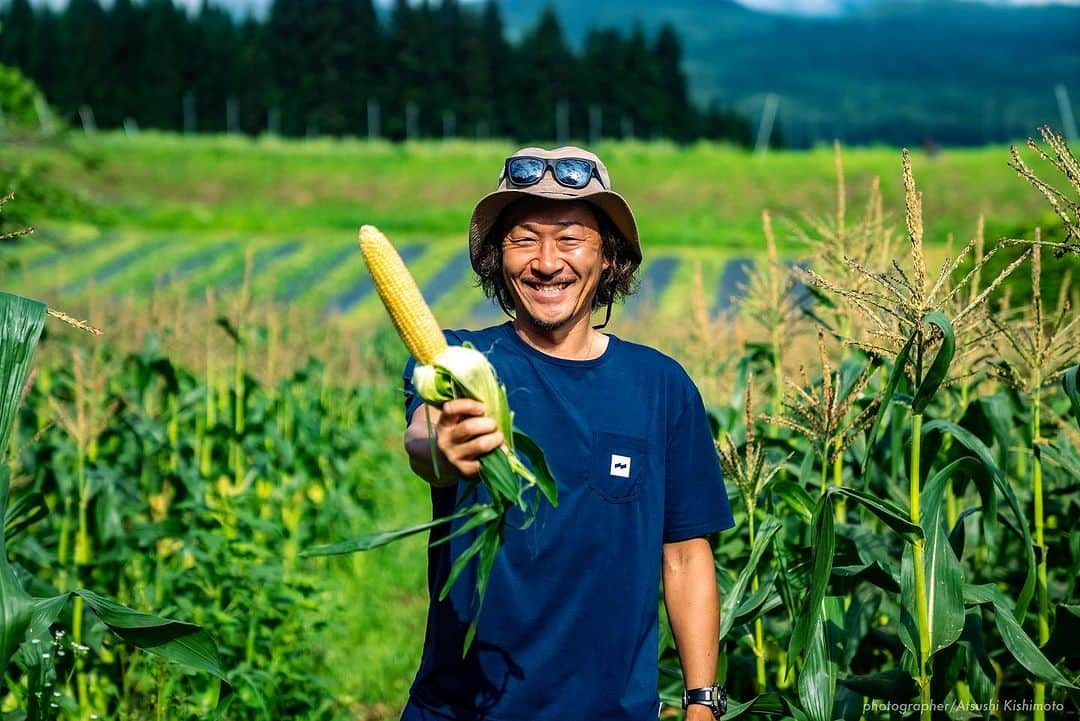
(526, 170)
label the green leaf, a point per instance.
(1019, 644)
(895, 375)
(27, 510)
(944, 576)
(795, 496)
(484, 514)
(492, 538)
(939, 369)
(540, 468)
(980, 671)
(177, 641)
(844, 578)
(1071, 383)
(500, 479)
(890, 514)
(892, 685)
(21, 321)
(16, 605)
(381, 538)
(760, 601)
(824, 545)
(733, 598)
(459, 564)
(976, 446)
(817, 682)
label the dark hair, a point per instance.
(616, 281)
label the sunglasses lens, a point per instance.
(573, 173)
(525, 171)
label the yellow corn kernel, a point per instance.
(409, 312)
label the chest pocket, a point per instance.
(618, 466)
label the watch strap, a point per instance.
(715, 697)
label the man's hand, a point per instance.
(462, 434)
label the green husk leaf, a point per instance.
(374, 540)
(544, 480)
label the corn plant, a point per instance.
(26, 620)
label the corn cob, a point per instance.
(409, 312)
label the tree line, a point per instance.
(336, 67)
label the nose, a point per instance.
(547, 260)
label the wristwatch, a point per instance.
(715, 697)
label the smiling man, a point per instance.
(569, 625)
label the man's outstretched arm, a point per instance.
(693, 607)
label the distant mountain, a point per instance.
(945, 71)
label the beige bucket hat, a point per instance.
(597, 191)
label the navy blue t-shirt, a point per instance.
(568, 628)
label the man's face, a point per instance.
(552, 260)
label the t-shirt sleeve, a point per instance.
(695, 499)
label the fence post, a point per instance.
(232, 115)
(1068, 121)
(273, 121)
(596, 120)
(448, 124)
(86, 115)
(189, 112)
(372, 118)
(768, 117)
(131, 127)
(45, 118)
(412, 120)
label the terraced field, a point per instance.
(326, 272)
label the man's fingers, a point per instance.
(463, 407)
(466, 430)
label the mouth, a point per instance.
(548, 291)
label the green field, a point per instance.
(194, 450)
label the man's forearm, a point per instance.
(693, 607)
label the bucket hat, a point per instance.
(597, 191)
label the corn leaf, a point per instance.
(540, 469)
(817, 682)
(976, 446)
(824, 544)
(796, 497)
(1016, 640)
(1071, 383)
(374, 540)
(734, 597)
(895, 375)
(939, 369)
(889, 513)
(944, 576)
(177, 641)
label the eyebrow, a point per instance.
(563, 223)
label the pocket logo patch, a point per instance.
(620, 465)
